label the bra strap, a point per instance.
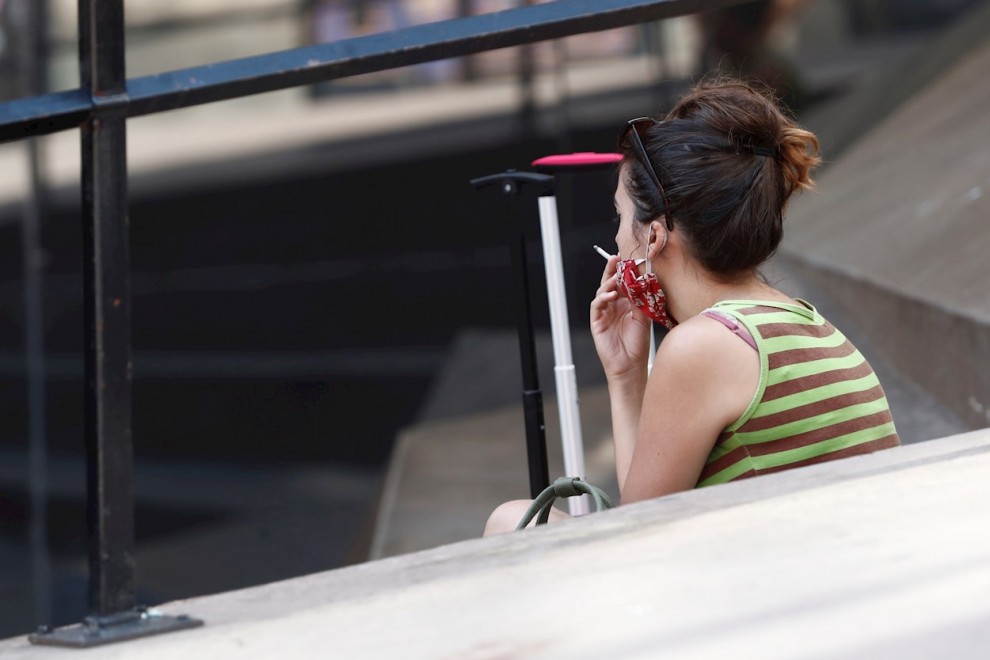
(733, 325)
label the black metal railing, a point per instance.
(100, 109)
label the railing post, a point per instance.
(106, 295)
(107, 333)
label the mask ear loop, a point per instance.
(653, 337)
(649, 268)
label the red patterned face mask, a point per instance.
(644, 292)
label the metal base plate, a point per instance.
(95, 631)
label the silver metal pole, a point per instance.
(563, 370)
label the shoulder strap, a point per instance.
(731, 323)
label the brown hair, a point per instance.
(728, 159)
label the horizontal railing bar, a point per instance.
(41, 115)
(311, 64)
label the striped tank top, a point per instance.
(818, 398)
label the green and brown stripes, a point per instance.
(820, 398)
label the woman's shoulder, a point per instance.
(710, 364)
(703, 340)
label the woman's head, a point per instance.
(726, 159)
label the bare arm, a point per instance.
(622, 339)
(626, 401)
(703, 380)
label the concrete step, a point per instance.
(467, 452)
(790, 565)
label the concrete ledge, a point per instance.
(898, 237)
(880, 556)
(944, 351)
(445, 477)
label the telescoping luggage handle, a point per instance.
(509, 184)
(565, 375)
(564, 372)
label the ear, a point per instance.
(658, 237)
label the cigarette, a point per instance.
(602, 252)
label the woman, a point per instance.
(748, 381)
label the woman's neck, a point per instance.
(695, 290)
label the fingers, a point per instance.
(607, 294)
(608, 283)
(610, 266)
(604, 297)
(603, 300)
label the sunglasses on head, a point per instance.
(631, 131)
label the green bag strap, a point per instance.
(562, 487)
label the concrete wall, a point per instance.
(898, 234)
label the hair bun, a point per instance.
(798, 151)
(751, 119)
